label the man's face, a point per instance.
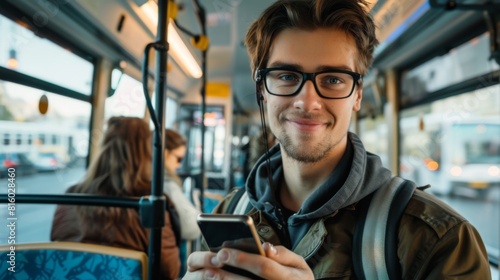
(308, 126)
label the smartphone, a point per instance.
(231, 231)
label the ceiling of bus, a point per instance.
(93, 24)
(227, 23)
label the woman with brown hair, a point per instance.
(123, 168)
(175, 149)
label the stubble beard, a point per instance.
(305, 151)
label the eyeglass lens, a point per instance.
(329, 84)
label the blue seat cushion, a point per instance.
(65, 264)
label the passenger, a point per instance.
(308, 58)
(175, 150)
(122, 169)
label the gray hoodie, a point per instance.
(358, 174)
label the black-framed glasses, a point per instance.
(329, 84)
(179, 159)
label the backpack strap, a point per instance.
(243, 205)
(376, 234)
(239, 202)
(398, 206)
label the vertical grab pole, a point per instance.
(202, 19)
(161, 48)
(203, 110)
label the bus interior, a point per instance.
(430, 108)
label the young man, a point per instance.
(308, 58)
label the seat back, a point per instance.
(71, 260)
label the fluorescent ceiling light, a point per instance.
(178, 50)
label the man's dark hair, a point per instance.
(350, 16)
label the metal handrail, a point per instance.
(74, 199)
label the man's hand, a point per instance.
(279, 263)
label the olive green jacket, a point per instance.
(434, 241)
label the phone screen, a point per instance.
(231, 231)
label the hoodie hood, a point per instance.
(365, 175)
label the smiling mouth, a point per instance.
(306, 122)
(304, 125)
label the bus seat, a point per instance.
(71, 260)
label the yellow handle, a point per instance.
(201, 42)
(172, 9)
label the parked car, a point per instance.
(17, 160)
(48, 162)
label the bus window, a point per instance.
(42, 59)
(128, 99)
(49, 162)
(34, 135)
